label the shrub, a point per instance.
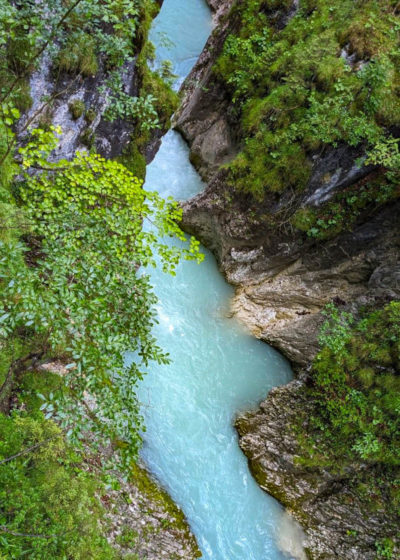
(90, 115)
(356, 385)
(304, 219)
(77, 108)
(78, 56)
(48, 505)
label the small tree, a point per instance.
(85, 295)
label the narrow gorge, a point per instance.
(284, 280)
(216, 370)
(234, 400)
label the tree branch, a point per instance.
(27, 450)
(29, 535)
(15, 368)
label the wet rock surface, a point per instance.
(283, 281)
(204, 118)
(52, 96)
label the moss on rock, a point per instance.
(77, 108)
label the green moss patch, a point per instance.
(77, 108)
(148, 487)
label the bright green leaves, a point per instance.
(86, 296)
(100, 190)
(36, 151)
(8, 113)
(75, 291)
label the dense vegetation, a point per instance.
(303, 80)
(49, 505)
(75, 240)
(352, 424)
(356, 384)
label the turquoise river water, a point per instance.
(216, 368)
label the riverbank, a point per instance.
(144, 520)
(283, 280)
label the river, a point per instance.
(216, 369)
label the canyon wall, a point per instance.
(283, 280)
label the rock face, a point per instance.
(54, 93)
(283, 281)
(337, 524)
(203, 117)
(145, 521)
(78, 133)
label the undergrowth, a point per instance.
(297, 91)
(352, 424)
